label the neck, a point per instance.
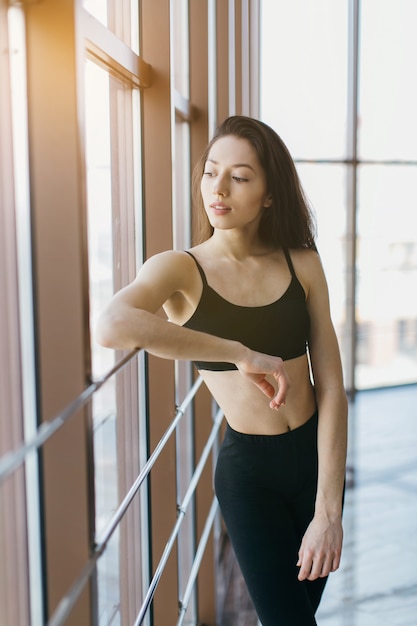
(237, 245)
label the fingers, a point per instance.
(279, 399)
(335, 563)
(260, 381)
(321, 548)
(283, 381)
(256, 371)
(311, 569)
(266, 387)
(316, 566)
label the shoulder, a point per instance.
(162, 278)
(304, 255)
(309, 269)
(166, 273)
(167, 258)
(171, 280)
(170, 264)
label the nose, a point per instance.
(220, 186)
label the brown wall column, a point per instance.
(206, 589)
(56, 199)
(158, 220)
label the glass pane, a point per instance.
(180, 46)
(108, 584)
(387, 276)
(182, 185)
(99, 196)
(113, 194)
(388, 89)
(98, 8)
(100, 246)
(304, 74)
(325, 186)
(120, 16)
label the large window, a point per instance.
(113, 147)
(335, 86)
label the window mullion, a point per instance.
(106, 48)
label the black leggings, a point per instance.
(266, 487)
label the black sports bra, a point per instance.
(280, 329)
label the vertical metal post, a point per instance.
(232, 58)
(212, 66)
(245, 40)
(352, 147)
(254, 57)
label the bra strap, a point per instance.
(289, 261)
(200, 269)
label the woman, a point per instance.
(249, 304)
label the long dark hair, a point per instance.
(288, 222)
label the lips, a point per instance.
(219, 208)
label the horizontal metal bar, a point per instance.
(64, 608)
(200, 466)
(197, 560)
(12, 460)
(182, 509)
(148, 465)
(355, 161)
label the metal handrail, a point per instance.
(182, 509)
(183, 604)
(150, 463)
(66, 604)
(10, 461)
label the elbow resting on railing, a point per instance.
(118, 331)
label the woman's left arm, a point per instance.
(321, 546)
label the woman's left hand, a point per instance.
(321, 548)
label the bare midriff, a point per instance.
(247, 409)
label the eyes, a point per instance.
(238, 179)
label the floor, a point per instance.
(376, 584)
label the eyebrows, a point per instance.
(233, 165)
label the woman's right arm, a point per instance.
(131, 321)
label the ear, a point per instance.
(268, 201)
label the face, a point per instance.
(233, 185)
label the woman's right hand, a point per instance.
(256, 366)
